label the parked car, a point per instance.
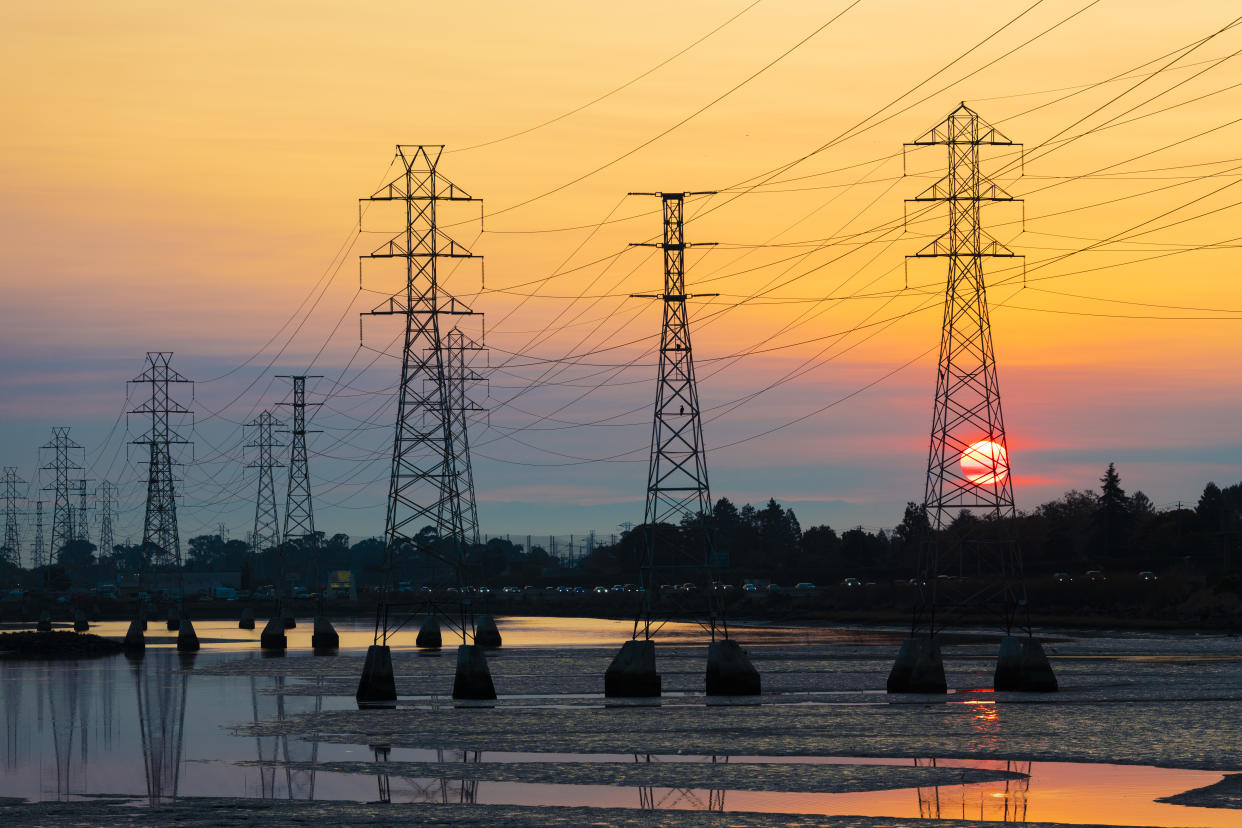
(851, 582)
(1147, 575)
(1096, 575)
(1062, 577)
(750, 588)
(805, 586)
(601, 589)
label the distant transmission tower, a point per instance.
(266, 534)
(38, 555)
(83, 531)
(63, 451)
(161, 542)
(968, 459)
(459, 373)
(105, 500)
(12, 550)
(677, 484)
(299, 514)
(424, 487)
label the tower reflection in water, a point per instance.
(160, 684)
(651, 798)
(1003, 801)
(281, 759)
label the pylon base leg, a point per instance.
(377, 687)
(632, 673)
(273, 636)
(247, 619)
(919, 668)
(473, 681)
(1022, 665)
(80, 623)
(324, 636)
(486, 633)
(729, 671)
(135, 642)
(173, 620)
(187, 639)
(429, 634)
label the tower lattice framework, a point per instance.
(62, 465)
(82, 530)
(968, 465)
(266, 533)
(457, 347)
(677, 484)
(12, 549)
(161, 541)
(424, 487)
(105, 502)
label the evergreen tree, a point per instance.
(1114, 511)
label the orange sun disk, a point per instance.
(985, 463)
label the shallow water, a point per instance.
(164, 727)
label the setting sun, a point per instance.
(985, 463)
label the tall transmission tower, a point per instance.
(459, 372)
(299, 513)
(12, 550)
(266, 533)
(677, 485)
(62, 463)
(38, 555)
(83, 528)
(424, 488)
(968, 458)
(161, 541)
(105, 500)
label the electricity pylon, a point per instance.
(299, 515)
(11, 552)
(677, 485)
(105, 500)
(266, 533)
(83, 529)
(62, 463)
(968, 459)
(424, 488)
(38, 555)
(459, 372)
(161, 541)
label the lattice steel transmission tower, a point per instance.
(459, 372)
(266, 533)
(82, 529)
(677, 485)
(299, 514)
(62, 464)
(968, 465)
(161, 541)
(424, 486)
(105, 501)
(12, 549)
(38, 555)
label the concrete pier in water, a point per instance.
(173, 619)
(324, 636)
(247, 619)
(377, 685)
(273, 635)
(135, 641)
(919, 668)
(729, 671)
(187, 639)
(473, 681)
(632, 673)
(429, 634)
(1022, 664)
(45, 622)
(486, 633)
(80, 623)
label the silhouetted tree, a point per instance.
(1114, 516)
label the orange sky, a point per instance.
(180, 177)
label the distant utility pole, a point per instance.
(38, 555)
(266, 534)
(12, 550)
(63, 451)
(677, 485)
(161, 541)
(105, 500)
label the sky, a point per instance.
(187, 178)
